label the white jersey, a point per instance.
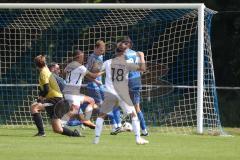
(116, 84)
(74, 80)
(117, 70)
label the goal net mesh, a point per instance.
(168, 37)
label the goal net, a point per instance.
(168, 37)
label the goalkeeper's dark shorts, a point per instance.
(49, 104)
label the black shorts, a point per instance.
(49, 104)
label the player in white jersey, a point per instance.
(75, 72)
(95, 87)
(117, 91)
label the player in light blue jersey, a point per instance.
(135, 84)
(96, 88)
(94, 64)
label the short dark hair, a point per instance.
(127, 39)
(40, 61)
(52, 64)
(121, 47)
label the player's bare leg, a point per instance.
(88, 112)
(86, 122)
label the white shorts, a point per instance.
(111, 100)
(74, 99)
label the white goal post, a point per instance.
(199, 7)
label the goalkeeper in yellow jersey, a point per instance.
(49, 96)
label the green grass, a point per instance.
(18, 144)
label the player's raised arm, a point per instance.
(142, 64)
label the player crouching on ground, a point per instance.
(75, 72)
(49, 96)
(117, 90)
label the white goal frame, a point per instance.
(199, 6)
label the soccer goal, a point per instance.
(178, 94)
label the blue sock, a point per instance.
(116, 115)
(142, 120)
(111, 118)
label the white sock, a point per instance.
(99, 125)
(119, 125)
(136, 127)
(88, 112)
(144, 131)
(114, 126)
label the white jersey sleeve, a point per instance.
(83, 70)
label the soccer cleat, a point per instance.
(40, 135)
(76, 133)
(116, 131)
(96, 140)
(145, 134)
(142, 141)
(89, 124)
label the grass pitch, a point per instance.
(18, 144)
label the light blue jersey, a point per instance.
(96, 91)
(94, 64)
(134, 77)
(132, 57)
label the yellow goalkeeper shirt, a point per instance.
(46, 77)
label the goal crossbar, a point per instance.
(102, 6)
